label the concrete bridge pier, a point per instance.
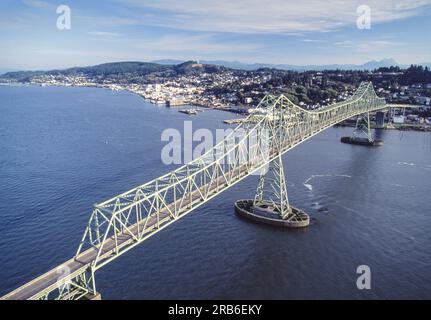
(380, 120)
(271, 204)
(362, 134)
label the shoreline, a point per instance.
(400, 127)
(114, 88)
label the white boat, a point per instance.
(189, 111)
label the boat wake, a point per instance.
(411, 164)
(309, 186)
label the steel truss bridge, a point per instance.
(125, 221)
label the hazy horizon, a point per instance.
(160, 61)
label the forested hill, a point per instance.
(131, 68)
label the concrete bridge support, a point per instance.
(271, 204)
(362, 134)
(380, 120)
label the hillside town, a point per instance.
(237, 91)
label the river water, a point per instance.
(64, 149)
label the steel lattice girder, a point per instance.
(120, 223)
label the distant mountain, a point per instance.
(178, 67)
(371, 65)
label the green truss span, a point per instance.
(125, 221)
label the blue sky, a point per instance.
(274, 31)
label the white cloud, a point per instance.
(196, 44)
(104, 21)
(274, 16)
(367, 46)
(36, 3)
(313, 40)
(104, 34)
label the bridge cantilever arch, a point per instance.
(123, 222)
